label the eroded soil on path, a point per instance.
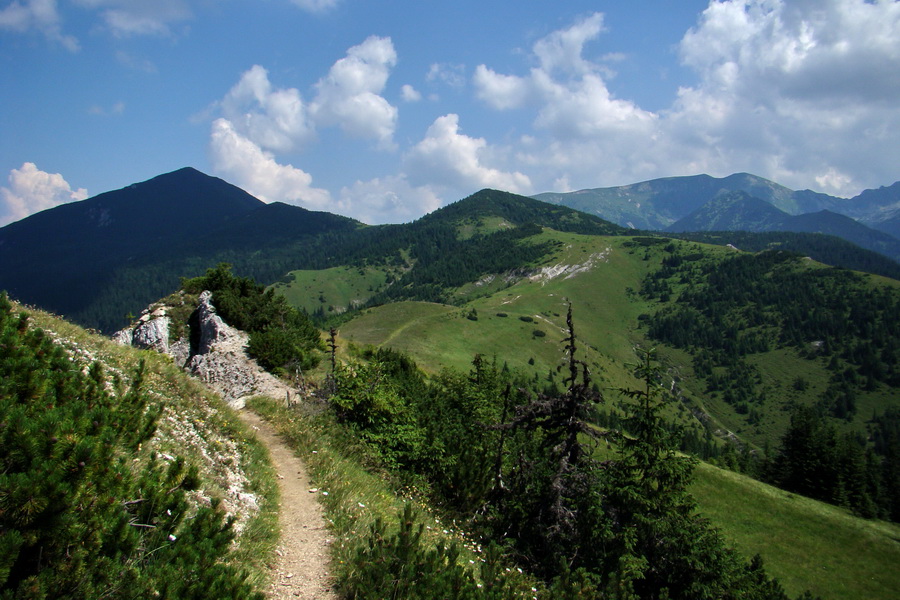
(301, 567)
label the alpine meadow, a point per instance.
(510, 397)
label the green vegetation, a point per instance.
(517, 470)
(753, 304)
(388, 543)
(323, 292)
(806, 544)
(826, 249)
(78, 517)
(282, 339)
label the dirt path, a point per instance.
(301, 570)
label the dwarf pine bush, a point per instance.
(79, 517)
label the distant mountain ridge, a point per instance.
(738, 211)
(659, 203)
(98, 260)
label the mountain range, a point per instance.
(66, 259)
(98, 260)
(694, 203)
(748, 327)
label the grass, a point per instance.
(335, 289)
(197, 425)
(439, 336)
(806, 544)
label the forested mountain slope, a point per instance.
(738, 211)
(99, 259)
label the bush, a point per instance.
(78, 517)
(281, 338)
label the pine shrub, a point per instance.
(79, 517)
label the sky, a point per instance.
(386, 110)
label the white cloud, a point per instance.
(257, 171)
(274, 119)
(140, 17)
(800, 92)
(410, 94)
(584, 108)
(448, 158)
(388, 200)
(32, 190)
(563, 50)
(40, 15)
(316, 6)
(349, 95)
(844, 50)
(500, 91)
(797, 91)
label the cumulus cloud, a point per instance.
(32, 190)
(259, 122)
(805, 92)
(410, 94)
(500, 91)
(349, 96)
(274, 119)
(801, 92)
(140, 17)
(38, 15)
(448, 158)
(563, 50)
(255, 170)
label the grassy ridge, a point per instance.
(335, 289)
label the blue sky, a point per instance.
(384, 111)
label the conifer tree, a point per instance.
(79, 518)
(551, 506)
(659, 546)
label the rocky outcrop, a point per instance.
(219, 357)
(150, 332)
(212, 328)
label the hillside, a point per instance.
(100, 260)
(618, 286)
(136, 485)
(439, 258)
